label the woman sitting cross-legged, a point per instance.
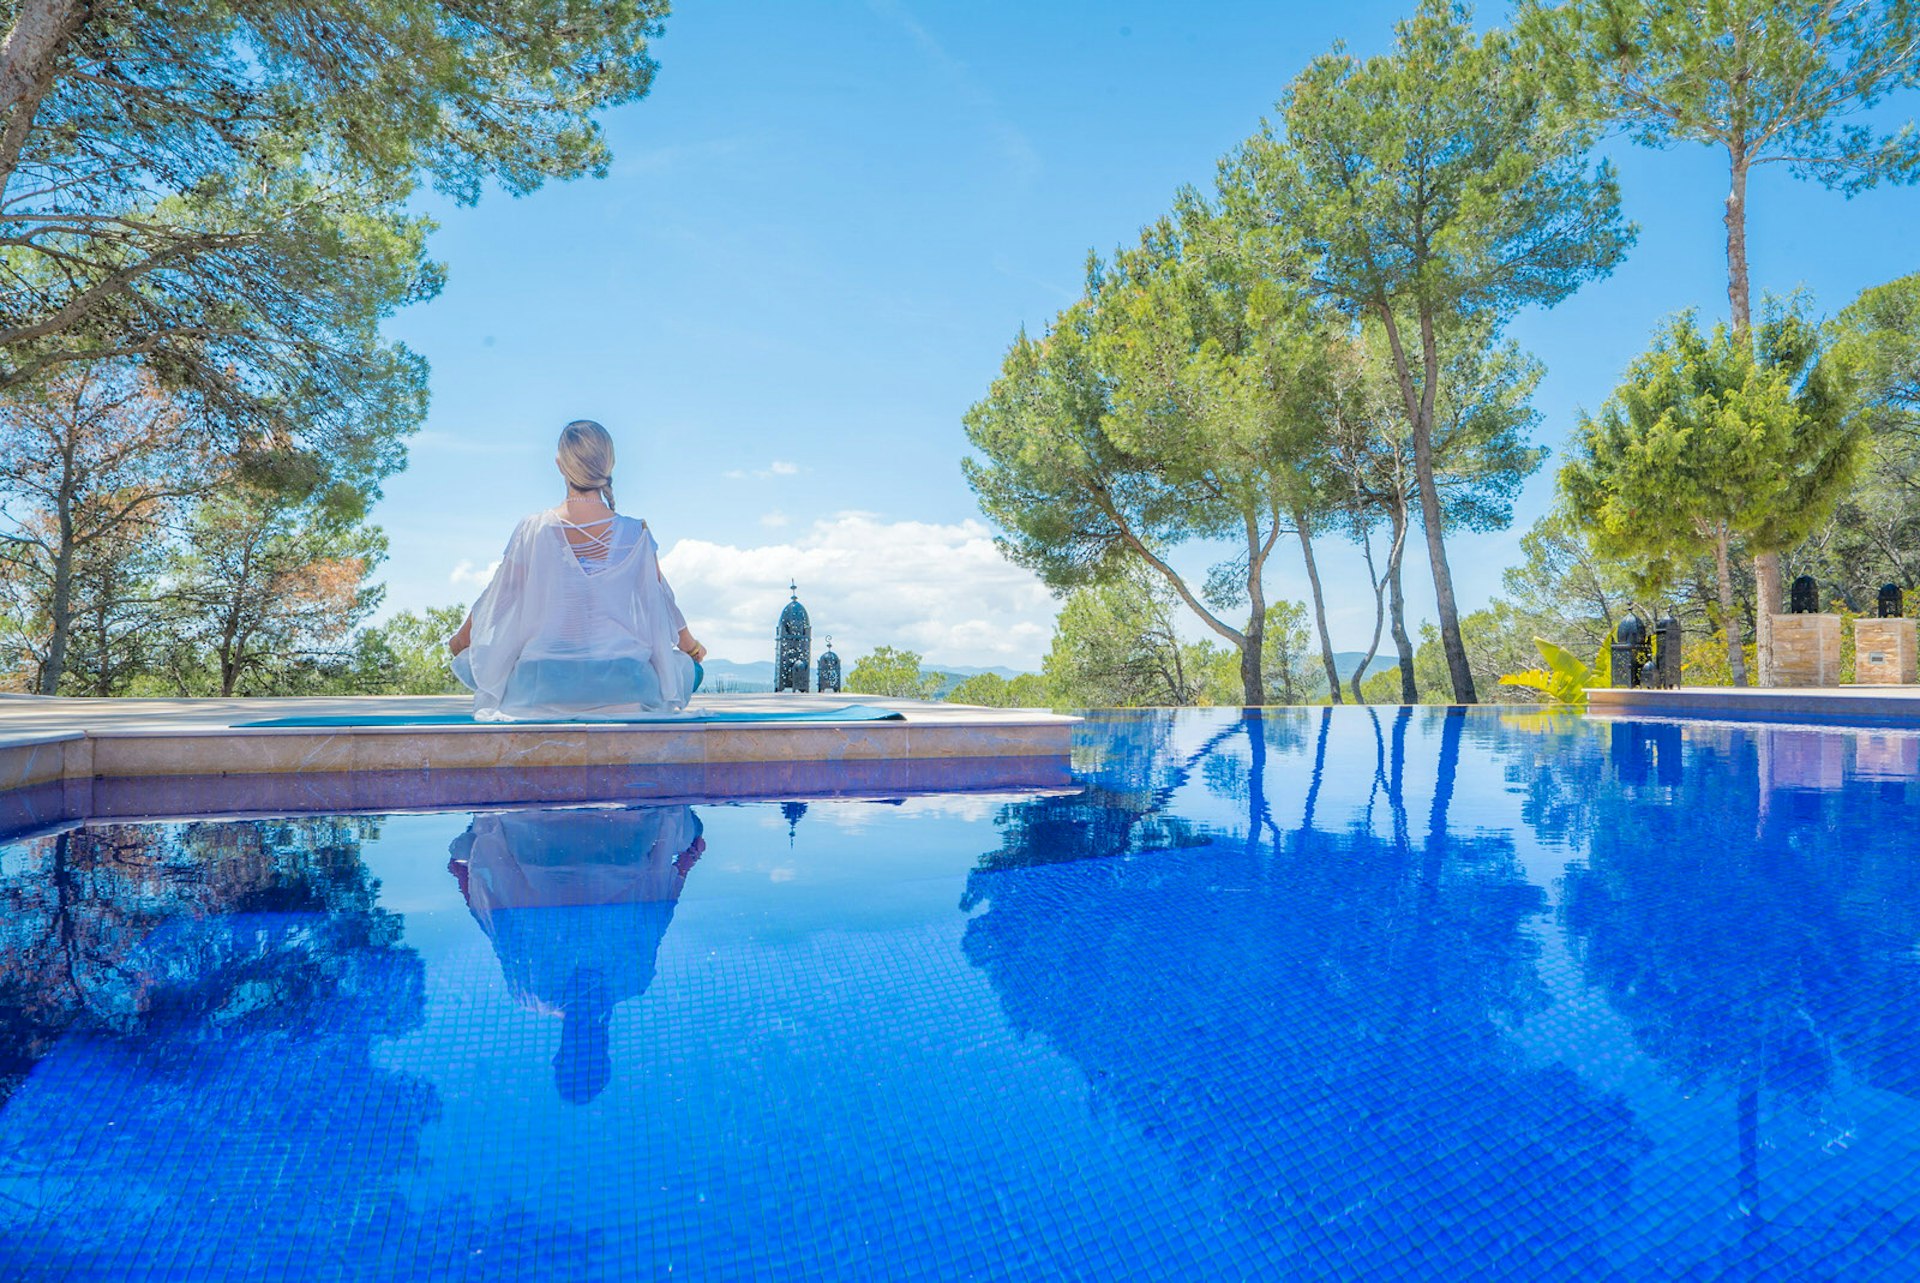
(578, 621)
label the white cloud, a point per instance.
(943, 590)
(774, 519)
(468, 573)
(778, 468)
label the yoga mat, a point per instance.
(846, 713)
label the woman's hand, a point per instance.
(690, 648)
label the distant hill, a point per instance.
(727, 674)
(1346, 663)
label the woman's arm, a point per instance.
(462, 639)
(689, 646)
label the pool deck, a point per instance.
(1864, 705)
(65, 759)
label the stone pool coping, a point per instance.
(74, 759)
(1893, 706)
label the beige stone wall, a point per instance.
(1806, 650)
(1883, 652)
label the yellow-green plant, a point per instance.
(1564, 680)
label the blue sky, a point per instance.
(822, 230)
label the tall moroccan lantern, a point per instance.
(792, 646)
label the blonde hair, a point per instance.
(586, 458)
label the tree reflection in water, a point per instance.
(1750, 902)
(1312, 1021)
(576, 903)
(166, 993)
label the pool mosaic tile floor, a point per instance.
(1345, 995)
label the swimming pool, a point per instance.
(1319, 994)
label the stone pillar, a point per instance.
(1806, 650)
(1883, 652)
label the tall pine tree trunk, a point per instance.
(1319, 605)
(60, 612)
(1397, 609)
(60, 607)
(1736, 641)
(1253, 647)
(1419, 404)
(1431, 517)
(1766, 565)
(1379, 582)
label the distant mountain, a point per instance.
(1346, 663)
(725, 674)
(730, 675)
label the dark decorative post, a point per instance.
(1892, 602)
(792, 646)
(829, 679)
(1805, 597)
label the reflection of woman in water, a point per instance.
(576, 903)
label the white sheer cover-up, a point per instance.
(585, 633)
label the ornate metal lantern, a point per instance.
(1666, 653)
(1892, 601)
(1805, 597)
(792, 646)
(829, 672)
(1629, 651)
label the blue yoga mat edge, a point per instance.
(849, 713)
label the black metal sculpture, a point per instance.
(1892, 601)
(792, 646)
(1805, 598)
(829, 673)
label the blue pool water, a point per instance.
(1347, 994)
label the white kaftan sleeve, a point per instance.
(500, 623)
(664, 622)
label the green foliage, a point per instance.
(234, 185)
(98, 465)
(265, 590)
(1574, 592)
(1564, 680)
(990, 690)
(1500, 641)
(1712, 440)
(1428, 186)
(1875, 536)
(407, 655)
(1770, 80)
(1287, 652)
(887, 671)
(1115, 646)
(1177, 400)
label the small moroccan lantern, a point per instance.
(792, 646)
(829, 681)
